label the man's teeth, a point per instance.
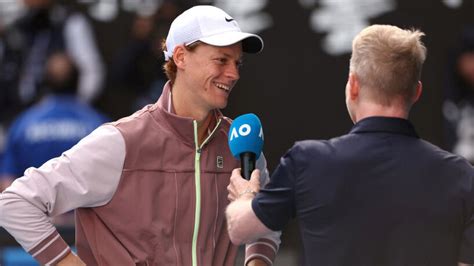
(222, 86)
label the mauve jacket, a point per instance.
(144, 194)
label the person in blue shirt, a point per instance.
(51, 126)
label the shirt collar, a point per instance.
(385, 124)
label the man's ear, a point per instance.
(354, 87)
(179, 56)
(419, 90)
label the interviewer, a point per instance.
(379, 195)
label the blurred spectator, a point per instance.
(51, 126)
(137, 66)
(2, 49)
(46, 27)
(6, 92)
(8, 103)
(458, 106)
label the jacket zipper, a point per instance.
(197, 181)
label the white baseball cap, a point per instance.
(210, 25)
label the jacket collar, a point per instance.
(183, 127)
(392, 125)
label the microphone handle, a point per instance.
(247, 164)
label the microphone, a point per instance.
(246, 141)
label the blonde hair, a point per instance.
(388, 61)
(169, 66)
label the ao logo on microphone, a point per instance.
(243, 130)
(246, 135)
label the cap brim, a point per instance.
(251, 43)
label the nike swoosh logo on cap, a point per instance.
(229, 19)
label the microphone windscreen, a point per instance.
(246, 135)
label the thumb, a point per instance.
(255, 177)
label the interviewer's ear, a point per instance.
(419, 90)
(354, 88)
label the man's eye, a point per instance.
(221, 61)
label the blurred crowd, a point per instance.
(53, 77)
(458, 105)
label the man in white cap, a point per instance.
(149, 189)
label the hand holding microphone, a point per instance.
(239, 187)
(246, 142)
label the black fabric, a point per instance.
(376, 196)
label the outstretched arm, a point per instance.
(243, 224)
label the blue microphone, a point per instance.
(246, 141)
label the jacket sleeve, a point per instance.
(87, 175)
(266, 247)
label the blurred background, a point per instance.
(296, 85)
